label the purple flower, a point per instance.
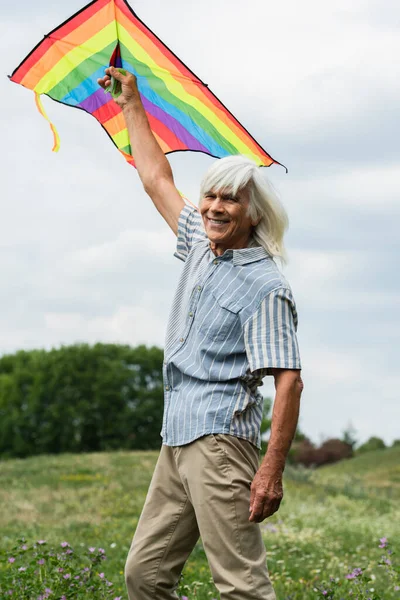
(64, 544)
(101, 575)
(22, 569)
(60, 569)
(69, 551)
(41, 542)
(67, 576)
(355, 573)
(24, 547)
(383, 542)
(92, 549)
(101, 551)
(48, 591)
(11, 559)
(41, 561)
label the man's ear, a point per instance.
(255, 223)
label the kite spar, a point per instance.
(182, 111)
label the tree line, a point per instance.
(83, 398)
(80, 398)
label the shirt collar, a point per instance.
(245, 256)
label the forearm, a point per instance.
(284, 421)
(150, 160)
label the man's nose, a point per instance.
(217, 204)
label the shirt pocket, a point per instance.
(222, 321)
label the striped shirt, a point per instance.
(233, 319)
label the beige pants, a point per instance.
(202, 488)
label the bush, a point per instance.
(331, 451)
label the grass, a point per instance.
(329, 523)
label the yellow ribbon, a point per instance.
(40, 108)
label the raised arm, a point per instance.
(153, 167)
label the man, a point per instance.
(233, 321)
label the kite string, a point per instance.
(40, 108)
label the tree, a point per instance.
(350, 436)
(374, 443)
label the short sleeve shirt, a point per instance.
(233, 319)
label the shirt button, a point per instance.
(182, 340)
(167, 388)
(190, 314)
(199, 288)
(215, 262)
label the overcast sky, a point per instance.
(85, 257)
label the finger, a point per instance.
(257, 510)
(270, 508)
(116, 74)
(252, 495)
(104, 82)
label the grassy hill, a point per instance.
(330, 521)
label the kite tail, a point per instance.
(40, 108)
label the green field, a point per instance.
(330, 520)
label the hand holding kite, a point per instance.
(183, 113)
(121, 85)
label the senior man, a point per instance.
(233, 321)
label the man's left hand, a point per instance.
(266, 493)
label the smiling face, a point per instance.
(225, 219)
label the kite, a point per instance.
(182, 111)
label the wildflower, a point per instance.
(22, 569)
(40, 561)
(48, 591)
(60, 569)
(101, 575)
(102, 551)
(383, 542)
(64, 544)
(92, 549)
(67, 576)
(24, 547)
(355, 573)
(113, 545)
(11, 559)
(69, 551)
(41, 542)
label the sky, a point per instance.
(85, 257)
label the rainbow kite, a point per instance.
(183, 113)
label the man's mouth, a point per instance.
(217, 222)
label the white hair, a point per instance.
(234, 173)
